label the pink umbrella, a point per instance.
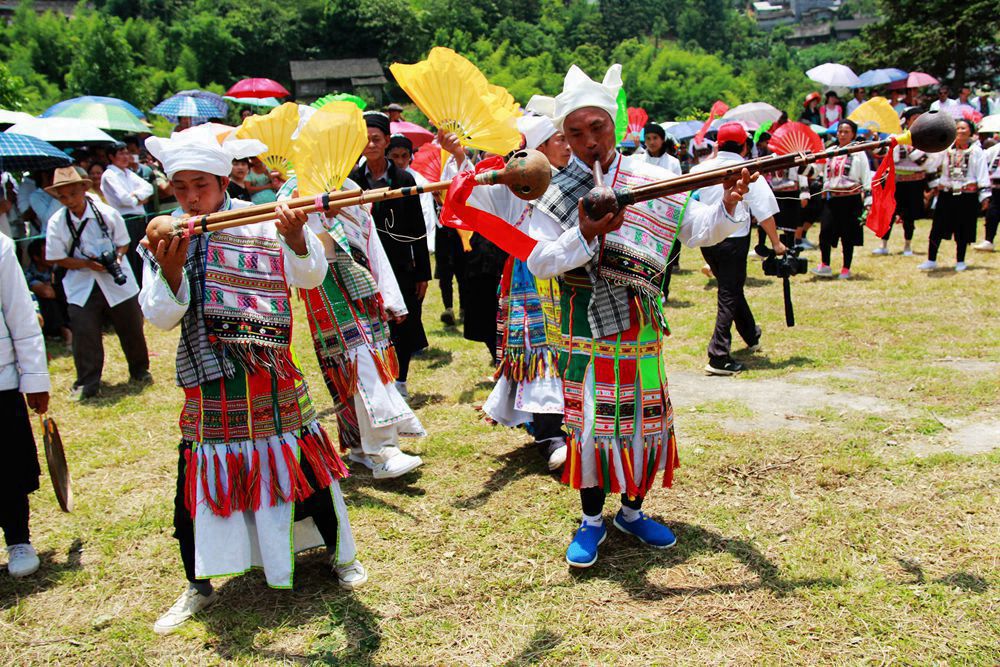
(418, 135)
(914, 80)
(257, 88)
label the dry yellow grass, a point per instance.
(831, 543)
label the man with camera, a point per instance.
(728, 259)
(87, 239)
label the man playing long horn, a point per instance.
(253, 460)
(617, 408)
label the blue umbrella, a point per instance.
(214, 98)
(55, 109)
(22, 152)
(686, 130)
(880, 77)
(187, 106)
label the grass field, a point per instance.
(838, 503)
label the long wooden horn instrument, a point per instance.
(527, 174)
(932, 132)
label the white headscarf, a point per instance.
(536, 130)
(580, 91)
(198, 149)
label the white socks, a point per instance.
(630, 514)
(594, 521)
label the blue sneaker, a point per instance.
(582, 551)
(649, 532)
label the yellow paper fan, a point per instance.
(275, 131)
(877, 115)
(456, 97)
(328, 147)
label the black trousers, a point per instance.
(448, 263)
(993, 215)
(14, 518)
(319, 506)
(88, 339)
(909, 206)
(547, 426)
(729, 264)
(673, 258)
(592, 501)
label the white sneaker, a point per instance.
(961, 267)
(929, 265)
(22, 560)
(396, 466)
(351, 576)
(187, 605)
(823, 271)
(880, 251)
(907, 252)
(985, 246)
(558, 457)
(361, 458)
(401, 388)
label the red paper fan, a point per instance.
(637, 119)
(794, 138)
(427, 161)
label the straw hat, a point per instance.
(65, 176)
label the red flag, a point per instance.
(458, 214)
(883, 195)
(718, 109)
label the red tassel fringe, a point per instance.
(300, 485)
(253, 482)
(277, 495)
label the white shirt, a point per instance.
(854, 104)
(124, 189)
(45, 206)
(559, 250)
(164, 309)
(937, 105)
(992, 156)
(666, 161)
(759, 201)
(22, 347)
(975, 172)
(79, 283)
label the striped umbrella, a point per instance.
(56, 109)
(21, 152)
(187, 106)
(104, 116)
(214, 98)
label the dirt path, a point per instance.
(770, 404)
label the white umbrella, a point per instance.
(11, 117)
(990, 123)
(834, 75)
(753, 112)
(61, 130)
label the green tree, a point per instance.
(103, 63)
(937, 36)
(11, 89)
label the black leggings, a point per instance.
(319, 506)
(592, 500)
(934, 244)
(825, 252)
(14, 519)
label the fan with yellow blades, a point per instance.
(328, 147)
(456, 97)
(275, 131)
(877, 115)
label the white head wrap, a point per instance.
(536, 130)
(580, 91)
(198, 149)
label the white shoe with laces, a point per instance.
(557, 457)
(187, 605)
(396, 466)
(880, 251)
(22, 560)
(985, 246)
(961, 266)
(351, 576)
(929, 265)
(362, 458)
(907, 252)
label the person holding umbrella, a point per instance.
(24, 377)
